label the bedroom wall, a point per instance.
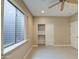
(61, 29)
(74, 30)
(22, 50)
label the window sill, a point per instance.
(10, 48)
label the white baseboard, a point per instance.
(28, 52)
(34, 45)
(54, 45)
(62, 45)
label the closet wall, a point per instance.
(61, 28)
(45, 34)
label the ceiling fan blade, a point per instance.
(72, 1)
(53, 5)
(62, 5)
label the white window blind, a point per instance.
(13, 24)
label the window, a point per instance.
(19, 29)
(13, 24)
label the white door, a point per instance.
(74, 34)
(49, 34)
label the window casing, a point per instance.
(13, 25)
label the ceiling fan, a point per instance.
(62, 3)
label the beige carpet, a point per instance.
(53, 53)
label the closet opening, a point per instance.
(41, 34)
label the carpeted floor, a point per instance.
(53, 53)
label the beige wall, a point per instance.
(74, 30)
(20, 51)
(30, 27)
(20, 4)
(74, 18)
(61, 29)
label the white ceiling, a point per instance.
(35, 6)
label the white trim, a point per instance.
(10, 48)
(28, 52)
(34, 45)
(62, 45)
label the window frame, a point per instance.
(15, 6)
(5, 47)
